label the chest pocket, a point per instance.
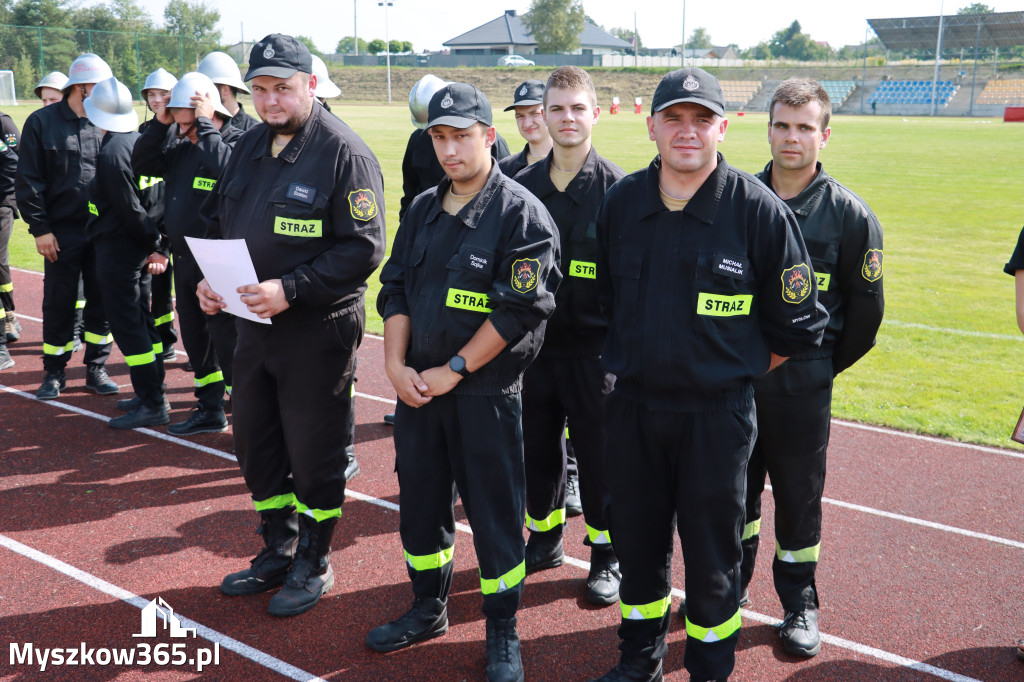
(580, 261)
(626, 267)
(824, 258)
(298, 210)
(470, 275)
(725, 285)
(59, 151)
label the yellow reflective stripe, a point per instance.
(3, 312)
(4, 288)
(58, 350)
(147, 181)
(79, 304)
(598, 537)
(318, 514)
(208, 379)
(582, 268)
(468, 300)
(140, 359)
(429, 562)
(797, 556)
(275, 502)
(92, 209)
(203, 183)
(717, 305)
(824, 279)
(566, 431)
(656, 609)
(505, 582)
(164, 319)
(717, 633)
(158, 348)
(298, 228)
(97, 339)
(553, 520)
(751, 529)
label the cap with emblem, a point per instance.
(689, 85)
(279, 56)
(459, 105)
(527, 94)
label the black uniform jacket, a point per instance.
(578, 327)
(190, 172)
(496, 260)
(312, 217)
(122, 204)
(8, 169)
(697, 298)
(845, 242)
(11, 137)
(511, 165)
(421, 170)
(56, 163)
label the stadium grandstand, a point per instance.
(838, 91)
(739, 93)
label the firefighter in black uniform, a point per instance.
(8, 212)
(707, 285)
(465, 295)
(56, 162)
(125, 211)
(567, 380)
(306, 194)
(794, 403)
(191, 167)
(528, 103)
(8, 168)
(224, 72)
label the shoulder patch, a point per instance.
(362, 204)
(524, 274)
(872, 270)
(11, 140)
(796, 283)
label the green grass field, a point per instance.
(948, 194)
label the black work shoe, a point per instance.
(53, 384)
(269, 568)
(307, 581)
(169, 355)
(6, 361)
(573, 505)
(129, 404)
(96, 378)
(604, 578)
(799, 633)
(351, 464)
(744, 600)
(143, 415)
(542, 553)
(504, 664)
(200, 420)
(389, 419)
(427, 619)
(78, 346)
(633, 669)
(13, 332)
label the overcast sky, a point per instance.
(428, 23)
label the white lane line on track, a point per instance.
(957, 332)
(840, 642)
(244, 650)
(929, 439)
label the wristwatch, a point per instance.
(458, 365)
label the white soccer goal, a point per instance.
(7, 88)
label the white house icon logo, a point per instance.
(171, 622)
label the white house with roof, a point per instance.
(508, 35)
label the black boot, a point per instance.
(544, 550)
(799, 632)
(604, 578)
(351, 465)
(201, 420)
(311, 574)
(280, 531)
(53, 384)
(143, 415)
(428, 618)
(634, 669)
(97, 379)
(504, 663)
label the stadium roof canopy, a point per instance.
(999, 29)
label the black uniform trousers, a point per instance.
(690, 469)
(6, 283)
(76, 260)
(794, 410)
(121, 268)
(162, 306)
(209, 340)
(557, 391)
(290, 406)
(470, 446)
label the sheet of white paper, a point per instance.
(226, 265)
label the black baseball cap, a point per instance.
(458, 105)
(689, 85)
(280, 56)
(528, 94)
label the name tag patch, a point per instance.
(468, 300)
(303, 193)
(583, 269)
(730, 266)
(823, 280)
(147, 181)
(476, 261)
(716, 305)
(298, 228)
(205, 184)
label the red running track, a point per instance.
(920, 577)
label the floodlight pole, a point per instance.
(682, 54)
(387, 39)
(974, 73)
(355, 27)
(938, 60)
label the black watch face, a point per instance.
(457, 364)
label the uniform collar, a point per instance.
(67, 112)
(806, 202)
(294, 147)
(703, 205)
(471, 213)
(579, 187)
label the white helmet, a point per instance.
(190, 83)
(54, 79)
(110, 107)
(419, 98)
(161, 79)
(87, 68)
(223, 70)
(324, 86)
